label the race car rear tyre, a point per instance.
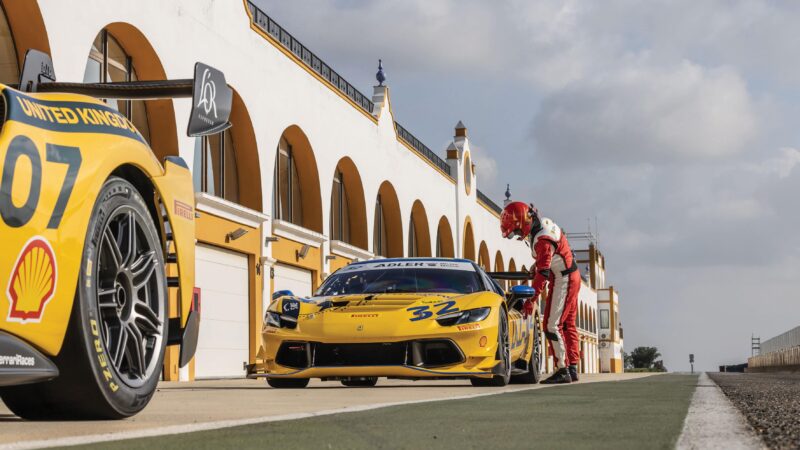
(287, 383)
(360, 382)
(533, 375)
(503, 369)
(113, 351)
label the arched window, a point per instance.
(108, 62)
(469, 242)
(215, 158)
(381, 242)
(288, 200)
(444, 239)
(9, 71)
(413, 244)
(340, 209)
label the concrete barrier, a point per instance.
(787, 359)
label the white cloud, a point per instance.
(645, 113)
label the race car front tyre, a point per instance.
(503, 369)
(113, 352)
(533, 374)
(287, 383)
(360, 382)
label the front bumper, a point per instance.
(446, 352)
(20, 363)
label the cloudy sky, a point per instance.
(675, 123)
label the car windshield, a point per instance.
(403, 277)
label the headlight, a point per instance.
(459, 317)
(273, 319)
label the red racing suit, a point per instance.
(555, 264)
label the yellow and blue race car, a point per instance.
(94, 230)
(409, 318)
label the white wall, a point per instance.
(277, 93)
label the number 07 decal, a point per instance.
(23, 147)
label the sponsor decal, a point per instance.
(290, 306)
(411, 264)
(33, 281)
(105, 370)
(208, 94)
(471, 326)
(363, 315)
(17, 360)
(69, 117)
(183, 210)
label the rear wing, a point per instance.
(211, 96)
(515, 276)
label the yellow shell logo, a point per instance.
(33, 281)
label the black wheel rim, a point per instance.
(129, 296)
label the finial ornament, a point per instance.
(508, 192)
(380, 76)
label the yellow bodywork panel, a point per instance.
(56, 152)
(393, 318)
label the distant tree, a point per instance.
(644, 357)
(627, 361)
(659, 365)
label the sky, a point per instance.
(673, 123)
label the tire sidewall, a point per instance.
(123, 399)
(503, 334)
(536, 353)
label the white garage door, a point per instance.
(293, 279)
(222, 346)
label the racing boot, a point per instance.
(561, 376)
(573, 373)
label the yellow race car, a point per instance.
(94, 232)
(409, 318)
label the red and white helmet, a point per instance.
(517, 220)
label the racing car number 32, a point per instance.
(424, 312)
(23, 147)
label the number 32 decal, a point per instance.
(424, 312)
(22, 146)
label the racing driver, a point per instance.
(555, 264)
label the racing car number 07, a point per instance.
(22, 146)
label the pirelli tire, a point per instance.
(503, 369)
(534, 374)
(113, 351)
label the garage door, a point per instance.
(222, 346)
(293, 279)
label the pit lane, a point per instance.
(204, 405)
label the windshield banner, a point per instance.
(388, 265)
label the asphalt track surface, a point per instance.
(634, 413)
(769, 401)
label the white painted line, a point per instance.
(714, 423)
(191, 428)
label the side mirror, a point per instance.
(522, 292)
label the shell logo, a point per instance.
(33, 281)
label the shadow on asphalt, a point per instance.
(313, 388)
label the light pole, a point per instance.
(691, 361)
